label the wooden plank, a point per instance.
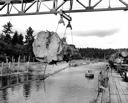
(122, 91)
(114, 99)
(105, 97)
(117, 89)
(113, 92)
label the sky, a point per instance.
(107, 29)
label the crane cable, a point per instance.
(71, 30)
(72, 36)
(109, 4)
(69, 26)
(60, 21)
(57, 27)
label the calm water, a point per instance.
(68, 86)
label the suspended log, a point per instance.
(47, 46)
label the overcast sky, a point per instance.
(94, 29)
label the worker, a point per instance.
(100, 81)
(107, 69)
(111, 64)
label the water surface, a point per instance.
(68, 86)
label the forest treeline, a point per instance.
(14, 45)
(98, 53)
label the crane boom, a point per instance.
(19, 1)
(24, 7)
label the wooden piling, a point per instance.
(9, 65)
(17, 78)
(45, 68)
(24, 59)
(29, 59)
(19, 62)
(2, 68)
(0, 82)
(6, 59)
(28, 65)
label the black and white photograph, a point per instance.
(63, 51)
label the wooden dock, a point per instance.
(118, 89)
(116, 92)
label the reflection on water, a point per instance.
(4, 96)
(64, 87)
(27, 89)
(23, 91)
(40, 85)
(4, 81)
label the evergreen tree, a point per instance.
(29, 40)
(20, 39)
(29, 37)
(7, 39)
(2, 37)
(7, 30)
(17, 44)
(15, 38)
